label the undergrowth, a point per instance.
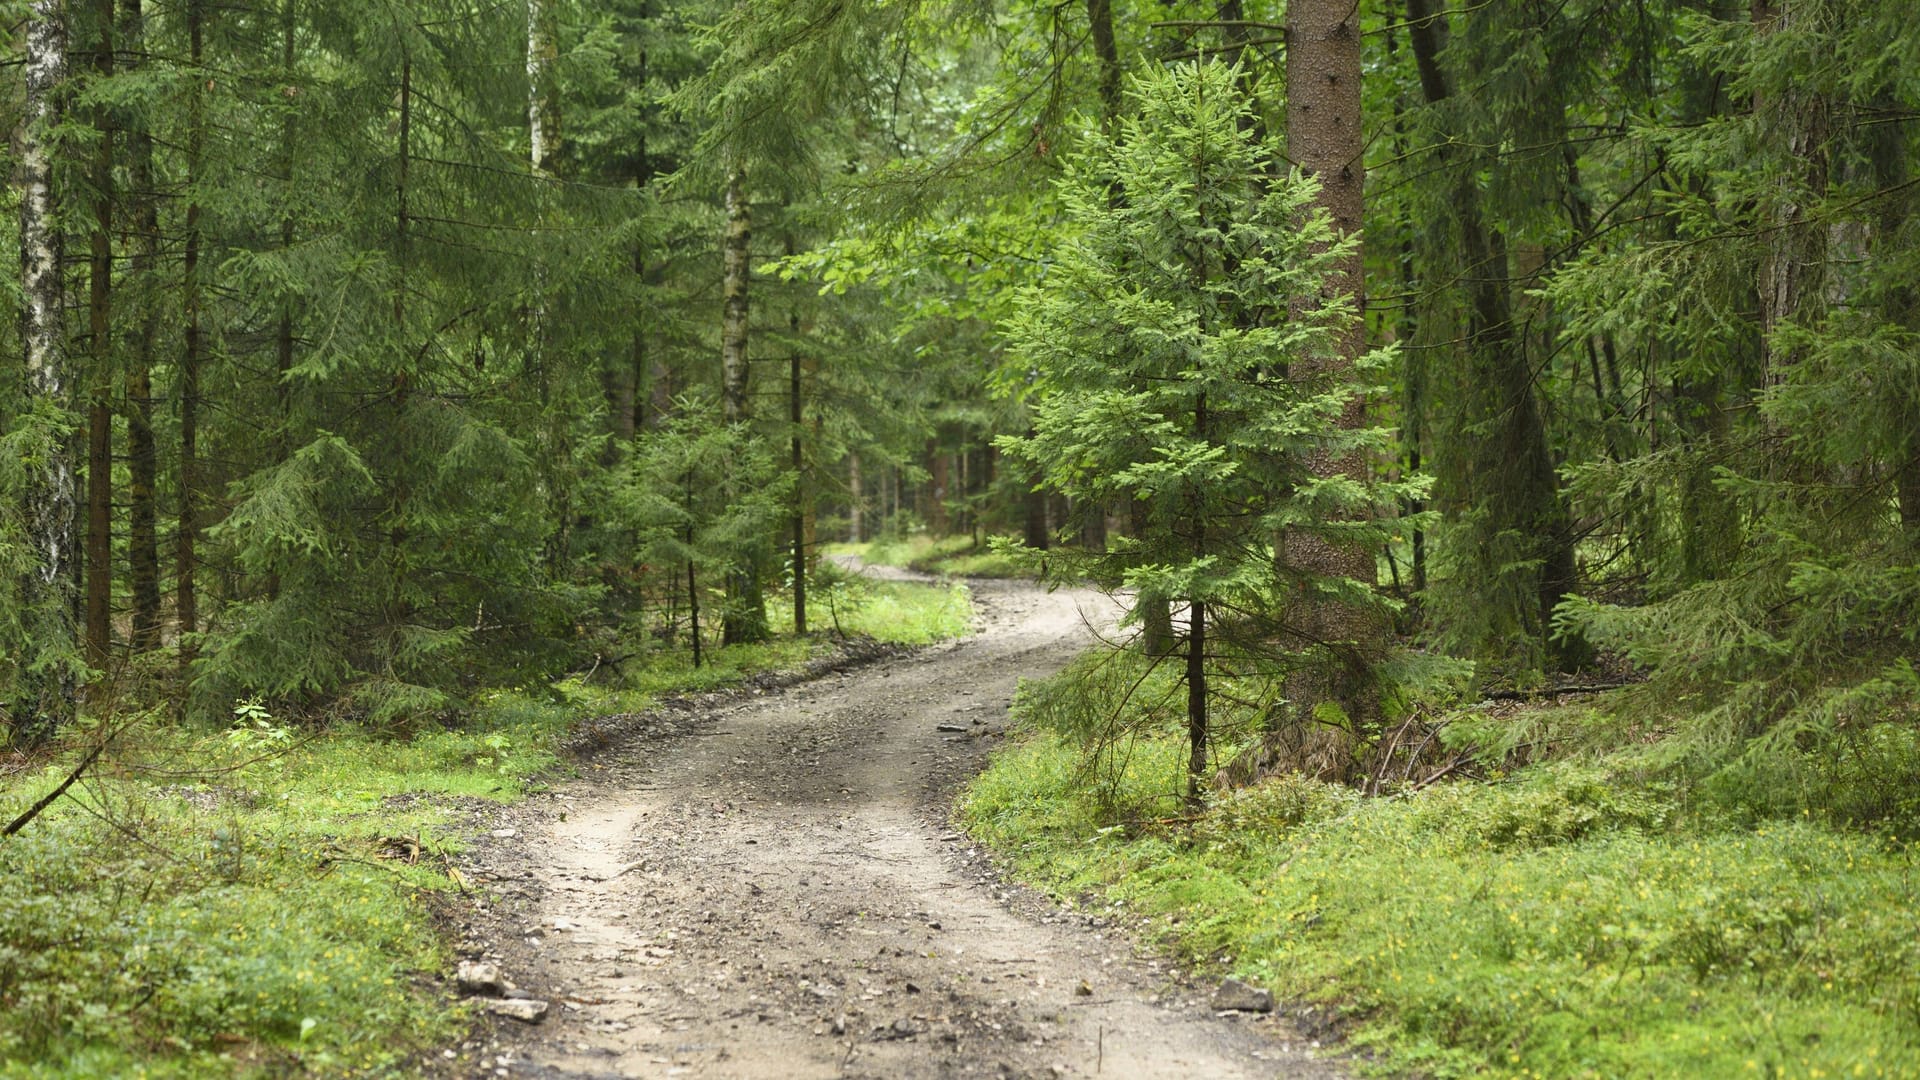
(953, 556)
(255, 901)
(1573, 917)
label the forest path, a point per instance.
(772, 890)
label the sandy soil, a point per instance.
(769, 887)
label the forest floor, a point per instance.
(772, 888)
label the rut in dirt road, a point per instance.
(776, 893)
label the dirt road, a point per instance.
(771, 889)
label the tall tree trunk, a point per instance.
(795, 409)
(187, 535)
(1324, 139)
(939, 487)
(543, 104)
(1196, 673)
(733, 317)
(143, 547)
(100, 341)
(289, 163)
(45, 699)
(1107, 52)
(1514, 479)
(1038, 531)
(745, 618)
(1794, 127)
(1196, 676)
(855, 498)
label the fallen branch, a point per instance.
(1557, 691)
(51, 796)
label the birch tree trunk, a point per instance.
(45, 701)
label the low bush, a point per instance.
(1571, 919)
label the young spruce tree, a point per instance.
(1171, 370)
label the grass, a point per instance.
(953, 556)
(1567, 921)
(256, 901)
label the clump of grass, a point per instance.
(253, 921)
(1569, 920)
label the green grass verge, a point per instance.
(954, 556)
(1565, 922)
(256, 902)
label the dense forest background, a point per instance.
(376, 352)
(1498, 421)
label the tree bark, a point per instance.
(1107, 52)
(939, 522)
(1324, 140)
(855, 497)
(100, 341)
(733, 317)
(1794, 127)
(143, 548)
(543, 110)
(45, 699)
(284, 332)
(186, 560)
(799, 519)
(745, 618)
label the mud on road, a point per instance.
(771, 888)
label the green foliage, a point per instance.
(1566, 922)
(261, 919)
(1169, 369)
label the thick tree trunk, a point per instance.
(1324, 139)
(45, 699)
(100, 341)
(143, 547)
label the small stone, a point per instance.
(505, 834)
(479, 977)
(1236, 996)
(522, 1009)
(1085, 989)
